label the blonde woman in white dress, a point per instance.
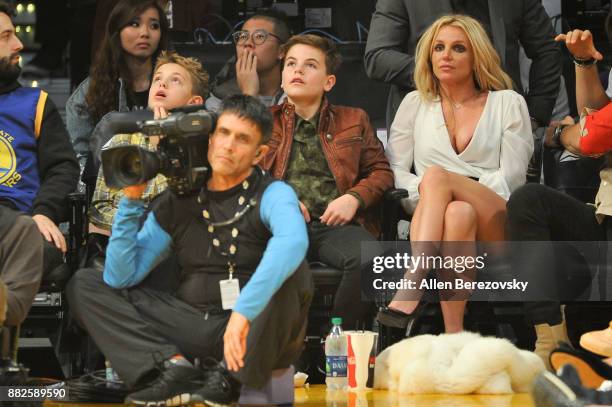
(467, 137)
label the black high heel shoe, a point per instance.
(397, 319)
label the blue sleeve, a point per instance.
(131, 253)
(286, 249)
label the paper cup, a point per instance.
(361, 358)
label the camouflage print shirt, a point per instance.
(308, 172)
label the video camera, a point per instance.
(181, 152)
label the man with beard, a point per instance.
(38, 169)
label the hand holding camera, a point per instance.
(134, 192)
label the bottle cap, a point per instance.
(336, 321)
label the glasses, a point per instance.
(259, 36)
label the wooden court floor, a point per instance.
(318, 396)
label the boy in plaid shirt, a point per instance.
(177, 81)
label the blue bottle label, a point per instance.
(335, 366)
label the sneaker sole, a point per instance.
(197, 401)
(184, 399)
(588, 376)
(208, 404)
(144, 403)
(550, 391)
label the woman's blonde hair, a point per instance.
(488, 73)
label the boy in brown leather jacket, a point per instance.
(331, 157)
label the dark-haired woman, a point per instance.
(120, 77)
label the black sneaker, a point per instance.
(220, 388)
(566, 390)
(550, 391)
(175, 386)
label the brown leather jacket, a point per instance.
(354, 154)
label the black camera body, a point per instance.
(181, 154)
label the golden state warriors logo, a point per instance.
(8, 161)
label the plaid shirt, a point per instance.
(105, 201)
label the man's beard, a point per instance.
(9, 71)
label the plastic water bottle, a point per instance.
(112, 379)
(336, 357)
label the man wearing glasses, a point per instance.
(256, 68)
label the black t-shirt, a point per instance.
(202, 265)
(138, 100)
(478, 9)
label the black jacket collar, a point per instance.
(7, 87)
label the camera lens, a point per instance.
(130, 165)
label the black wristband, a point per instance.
(584, 62)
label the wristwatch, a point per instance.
(556, 137)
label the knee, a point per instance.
(24, 230)
(351, 263)
(357, 245)
(26, 224)
(523, 199)
(460, 217)
(434, 177)
(82, 284)
(52, 257)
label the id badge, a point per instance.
(230, 290)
